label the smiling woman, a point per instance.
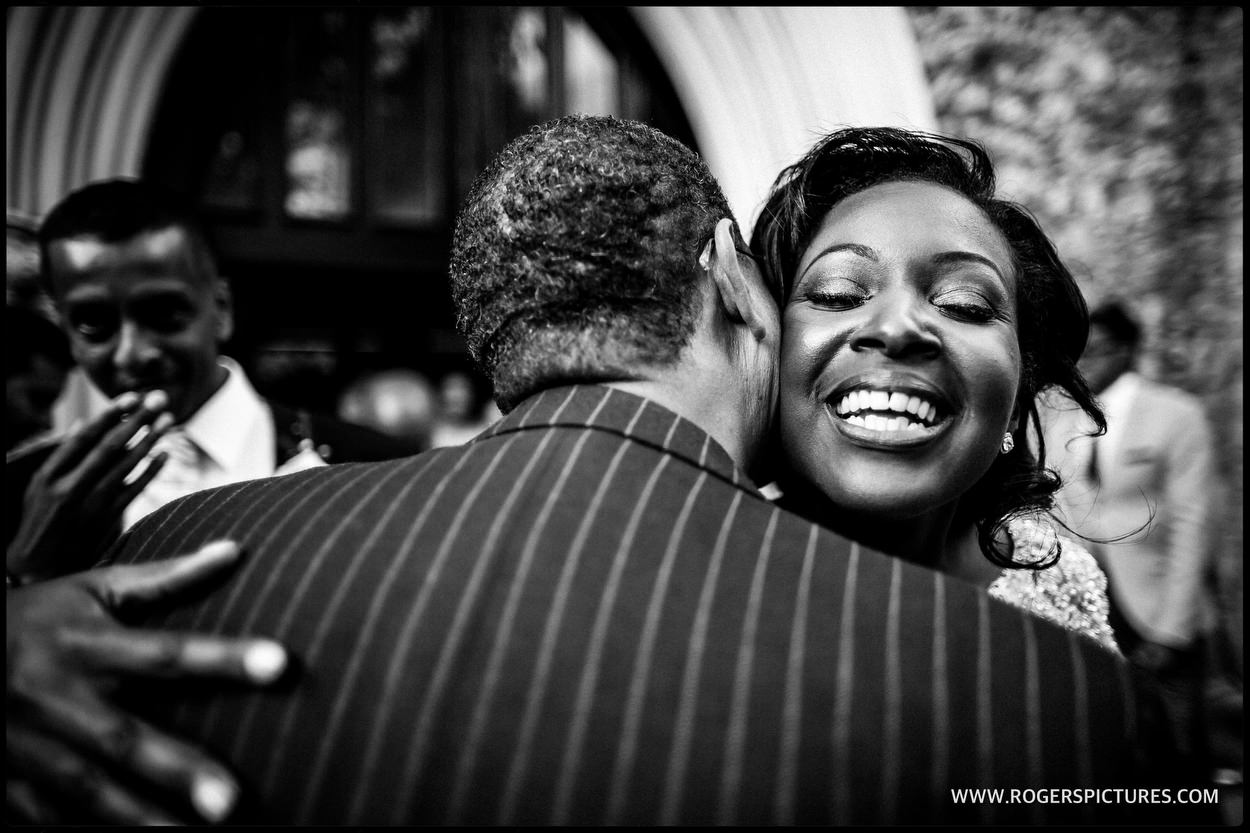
(905, 293)
(921, 317)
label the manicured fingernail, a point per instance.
(213, 796)
(127, 400)
(156, 400)
(163, 421)
(265, 661)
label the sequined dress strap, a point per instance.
(1071, 593)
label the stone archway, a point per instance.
(760, 84)
(81, 89)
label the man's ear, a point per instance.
(224, 303)
(741, 290)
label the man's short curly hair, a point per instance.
(575, 254)
(1053, 318)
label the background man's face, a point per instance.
(142, 314)
(1104, 359)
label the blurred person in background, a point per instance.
(36, 362)
(1142, 494)
(137, 288)
(398, 402)
(37, 358)
(21, 266)
(461, 417)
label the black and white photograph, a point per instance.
(624, 415)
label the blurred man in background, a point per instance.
(1143, 493)
(37, 358)
(36, 363)
(21, 266)
(146, 312)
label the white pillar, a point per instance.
(760, 84)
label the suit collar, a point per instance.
(615, 411)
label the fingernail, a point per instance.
(139, 436)
(219, 549)
(213, 796)
(265, 661)
(163, 421)
(127, 400)
(155, 400)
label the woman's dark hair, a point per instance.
(1053, 318)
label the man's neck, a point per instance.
(707, 409)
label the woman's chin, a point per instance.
(854, 503)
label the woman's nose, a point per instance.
(896, 326)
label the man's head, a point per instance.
(587, 252)
(1112, 346)
(138, 291)
(36, 362)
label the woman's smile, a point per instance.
(891, 411)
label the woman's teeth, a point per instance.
(914, 413)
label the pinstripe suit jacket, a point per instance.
(589, 615)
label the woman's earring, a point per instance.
(1009, 442)
(705, 259)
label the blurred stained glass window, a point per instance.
(318, 152)
(234, 173)
(381, 116)
(405, 120)
(526, 61)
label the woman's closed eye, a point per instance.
(966, 305)
(837, 300)
(842, 294)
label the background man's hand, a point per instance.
(69, 748)
(73, 506)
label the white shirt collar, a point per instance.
(224, 427)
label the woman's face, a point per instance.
(900, 361)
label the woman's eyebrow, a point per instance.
(944, 258)
(855, 248)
